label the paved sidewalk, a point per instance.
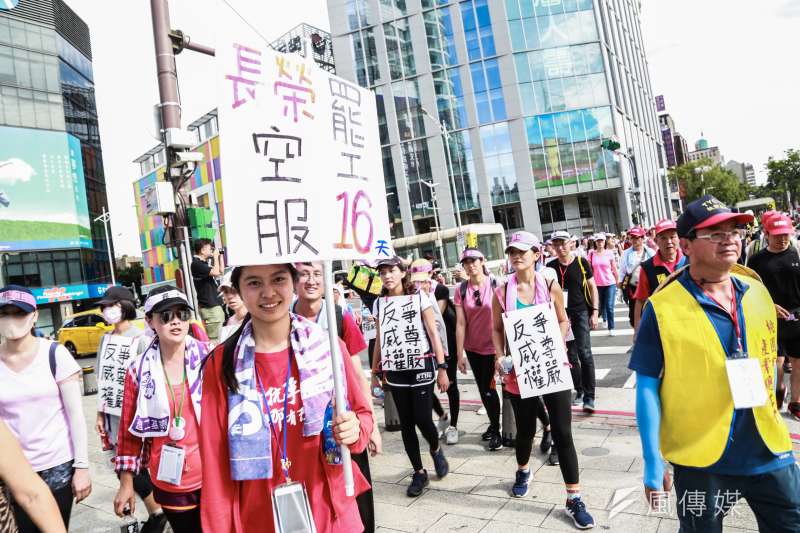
(475, 495)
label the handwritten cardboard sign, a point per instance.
(116, 354)
(404, 343)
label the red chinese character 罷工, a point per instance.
(296, 92)
(248, 65)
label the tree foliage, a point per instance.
(718, 181)
(783, 176)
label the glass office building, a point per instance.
(47, 86)
(526, 92)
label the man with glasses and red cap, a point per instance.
(779, 267)
(704, 359)
(629, 271)
(667, 259)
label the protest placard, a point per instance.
(367, 324)
(301, 161)
(537, 348)
(404, 343)
(115, 356)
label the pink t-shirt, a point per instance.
(478, 334)
(30, 404)
(602, 266)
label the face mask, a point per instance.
(112, 314)
(15, 327)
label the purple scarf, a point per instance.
(249, 440)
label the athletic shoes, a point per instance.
(440, 463)
(486, 435)
(553, 458)
(612, 333)
(520, 488)
(418, 482)
(577, 399)
(576, 510)
(794, 410)
(443, 424)
(155, 523)
(451, 435)
(547, 441)
(588, 405)
(495, 442)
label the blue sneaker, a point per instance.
(520, 488)
(576, 510)
(440, 463)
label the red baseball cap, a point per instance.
(766, 215)
(779, 224)
(636, 231)
(664, 225)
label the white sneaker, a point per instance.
(443, 424)
(481, 411)
(451, 435)
(612, 333)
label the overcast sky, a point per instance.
(727, 68)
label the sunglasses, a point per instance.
(477, 296)
(181, 314)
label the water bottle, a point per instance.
(332, 452)
(129, 523)
(507, 364)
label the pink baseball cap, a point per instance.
(664, 225)
(523, 240)
(471, 253)
(779, 225)
(636, 231)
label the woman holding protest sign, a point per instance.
(116, 350)
(159, 426)
(40, 401)
(270, 441)
(523, 289)
(410, 360)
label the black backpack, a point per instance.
(462, 287)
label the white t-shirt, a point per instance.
(30, 404)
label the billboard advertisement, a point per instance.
(42, 191)
(66, 293)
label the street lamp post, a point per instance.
(432, 187)
(106, 218)
(451, 176)
(702, 171)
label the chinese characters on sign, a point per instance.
(304, 178)
(537, 348)
(404, 344)
(115, 355)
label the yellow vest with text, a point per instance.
(697, 406)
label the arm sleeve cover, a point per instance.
(648, 417)
(71, 398)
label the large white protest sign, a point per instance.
(301, 161)
(404, 344)
(537, 348)
(115, 356)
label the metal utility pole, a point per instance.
(177, 143)
(106, 219)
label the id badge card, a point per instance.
(170, 466)
(746, 382)
(566, 298)
(291, 511)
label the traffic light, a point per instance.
(610, 145)
(200, 219)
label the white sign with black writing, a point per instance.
(301, 160)
(367, 324)
(115, 356)
(537, 348)
(404, 344)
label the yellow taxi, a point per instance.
(81, 332)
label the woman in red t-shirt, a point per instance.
(267, 397)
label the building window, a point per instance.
(463, 168)
(417, 168)
(509, 216)
(450, 98)
(477, 29)
(357, 13)
(366, 57)
(441, 43)
(534, 25)
(499, 162)
(552, 211)
(488, 91)
(584, 206)
(408, 109)
(399, 49)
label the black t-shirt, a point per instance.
(780, 273)
(570, 278)
(441, 292)
(204, 284)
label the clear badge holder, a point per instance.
(291, 510)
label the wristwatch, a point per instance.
(441, 366)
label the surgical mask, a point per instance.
(112, 314)
(15, 327)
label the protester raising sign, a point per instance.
(404, 344)
(115, 355)
(537, 348)
(301, 157)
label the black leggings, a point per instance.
(63, 497)
(366, 506)
(559, 406)
(483, 369)
(414, 406)
(453, 396)
(184, 521)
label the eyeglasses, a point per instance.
(181, 314)
(305, 276)
(477, 296)
(718, 237)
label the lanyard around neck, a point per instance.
(285, 463)
(177, 408)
